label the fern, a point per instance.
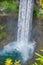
(39, 59)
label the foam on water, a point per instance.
(25, 50)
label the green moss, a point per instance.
(2, 32)
(2, 35)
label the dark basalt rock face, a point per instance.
(10, 23)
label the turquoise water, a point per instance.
(14, 56)
(17, 51)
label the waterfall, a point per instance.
(24, 29)
(25, 20)
(23, 43)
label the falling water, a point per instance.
(25, 20)
(25, 28)
(23, 43)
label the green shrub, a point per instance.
(39, 59)
(35, 11)
(9, 6)
(38, 10)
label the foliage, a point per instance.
(8, 6)
(11, 6)
(17, 62)
(10, 0)
(9, 62)
(2, 33)
(38, 11)
(39, 59)
(41, 3)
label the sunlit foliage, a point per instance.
(39, 59)
(41, 3)
(10, 62)
(38, 9)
